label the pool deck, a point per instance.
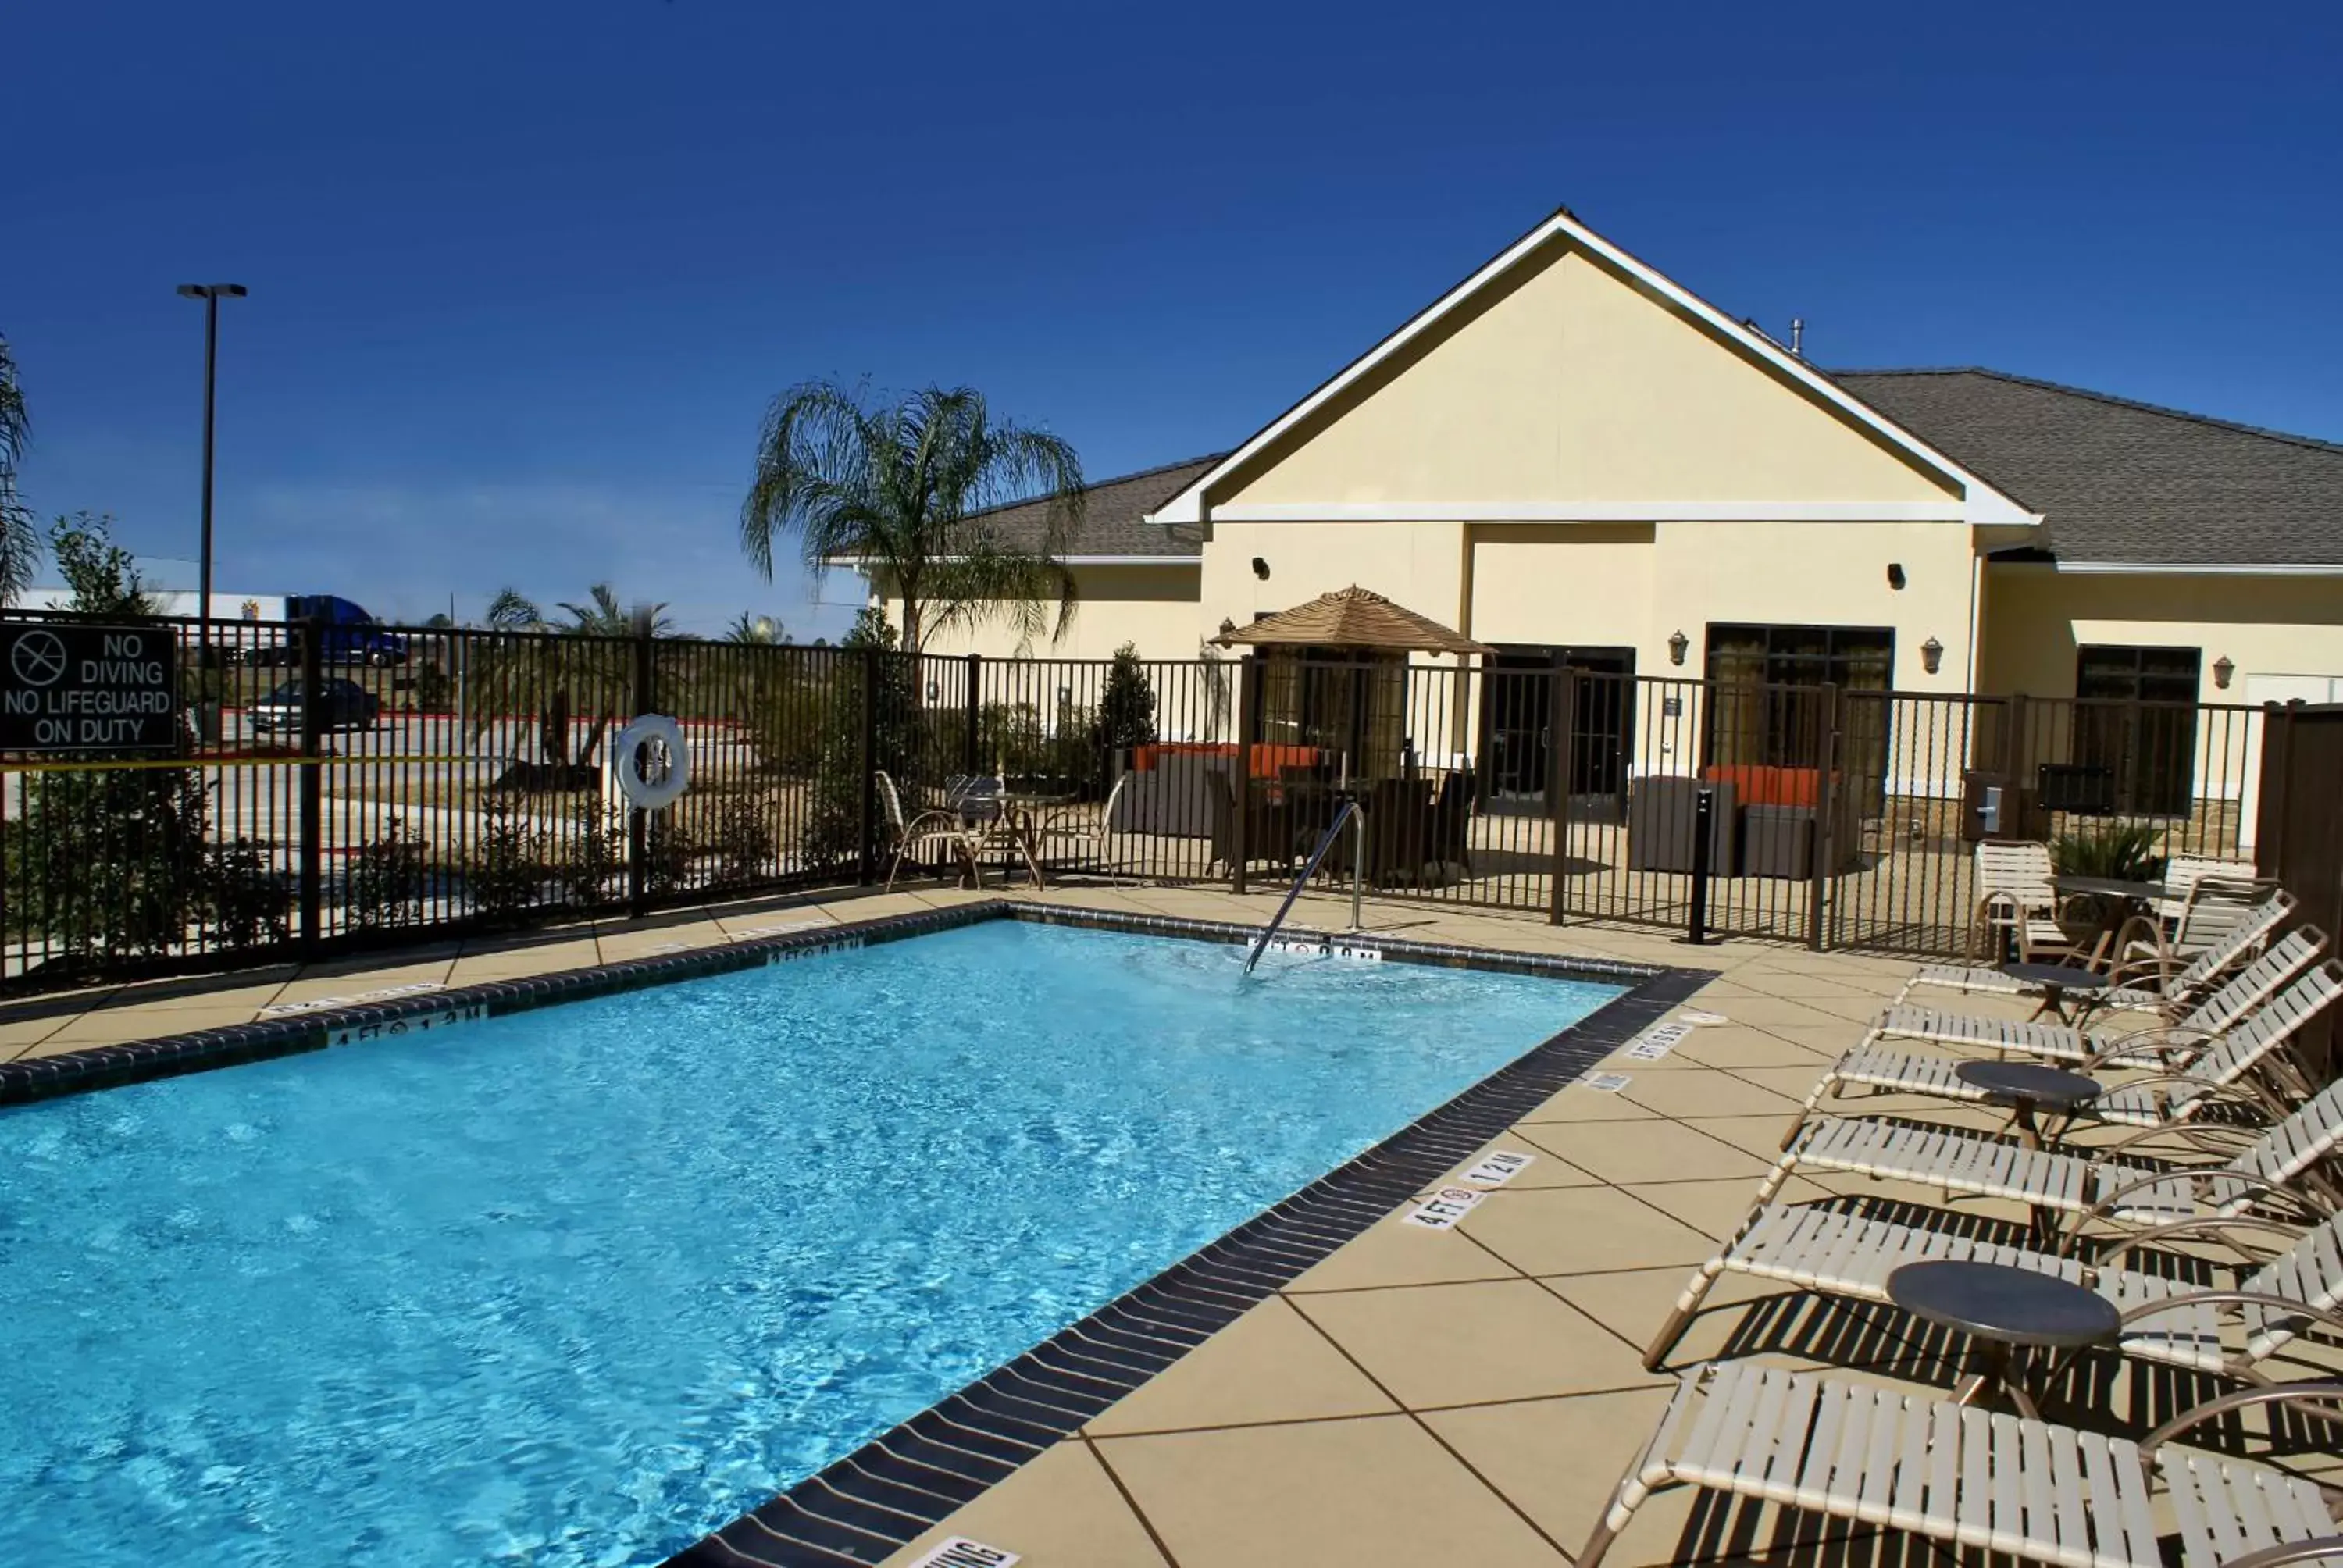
(1421, 1397)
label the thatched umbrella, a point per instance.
(1353, 618)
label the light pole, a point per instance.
(211, 294)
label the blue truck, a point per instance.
(351, 635)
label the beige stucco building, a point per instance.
(1571, 455)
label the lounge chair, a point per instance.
(2058, 1042)
(2205, 900)
(1835, 1253)
(2201, 1068)
(915, 837)
(1949, 1472)
(2277, 1168)
(2146, 983)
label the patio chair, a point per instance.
(2146, 983)
(2220, 896)
(915, 837)
(1088, 834)
(2165, 1046)
(2199, 1069)
(2017, 901)
(1926, 1466)
(2277, 1169)
(1832, 1252)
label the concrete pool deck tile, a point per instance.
(345, 981)
(1684, 1096)
(1269, 1365)
(1574, 1229)
(16, 1039)
(1393, 1252)
(1580, 1103)
(521, 963)
(1715, 1209)
(121, 1027)
(1437, 1345)
(1061, 1510)
(1535, 1452)
(1662, 1150)
(1545, 1167)
(1375, 1489)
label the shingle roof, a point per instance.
(1111, 510)
(2119, 481)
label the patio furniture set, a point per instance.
(979, 818)
(2180, 1163)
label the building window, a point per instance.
(1349, 702)
(2135, 718)
(1766, 681)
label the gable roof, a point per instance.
(1114, 530)
(2121, 483)
(1113, 517)
(1984, 502)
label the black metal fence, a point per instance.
(462, 780)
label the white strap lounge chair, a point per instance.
(1910, 1461)
(2146, 984)
(915, 837)
(1835, 1253)
(2220, 1071)
(2161, 1047)
(2277, 1169)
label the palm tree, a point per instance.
(542, 673)
(20, 546)
(897, 488)
(759, 630)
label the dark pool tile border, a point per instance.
(871, 1503)
(865, 1507)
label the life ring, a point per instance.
(663, 737)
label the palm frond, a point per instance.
(510, 611)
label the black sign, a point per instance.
(71, 688)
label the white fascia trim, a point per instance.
(1984, 504)
(1599, 512)
(2196, 568)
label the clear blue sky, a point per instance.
(524, 277)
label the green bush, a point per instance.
(507, 871)
(246, 902)
(742, 840)
(387, 880)
(2119, 851)
(1126, 710)
(109, 863)
(594, 856)
(830, 837)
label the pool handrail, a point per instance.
(1349, 814)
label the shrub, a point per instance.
(743, 842)
(2119, 851)
(387, 880)
(507, 871)
(1126, 710)
(109, 863)
(248, 902)
(593, 856)
(831, 832)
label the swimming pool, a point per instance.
(576, 1285)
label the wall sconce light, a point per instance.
(1677, 645)
(2222, 671)
(1896, 576)
(1932, 656)
(1261, 568)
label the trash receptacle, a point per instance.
(1779, 841)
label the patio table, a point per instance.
(1020, 822)
(2003, 1312)
(2023, 1087)
(2057, 981)
(2120, 902)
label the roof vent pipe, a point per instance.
(1798, 337)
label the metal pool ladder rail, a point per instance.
(1357, 820)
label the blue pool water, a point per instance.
(575, 1286)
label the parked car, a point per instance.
(342, 705)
